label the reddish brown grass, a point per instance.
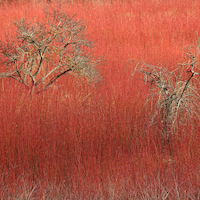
(94, 141)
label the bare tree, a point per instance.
(40, 53)
(174, 98)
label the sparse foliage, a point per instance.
(43, 52)
(175, 96)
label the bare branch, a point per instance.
(41, 53)
(171, 94)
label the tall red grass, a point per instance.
(82, 134)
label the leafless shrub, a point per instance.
(40, 53)
(174, 98)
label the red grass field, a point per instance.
(80, 141)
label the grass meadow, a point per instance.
(84, 141)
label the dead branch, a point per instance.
(42, 53)
(170, 92)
